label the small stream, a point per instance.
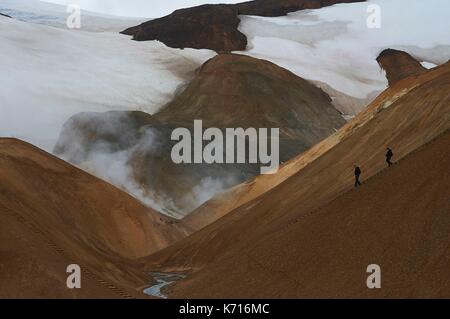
(162, 280)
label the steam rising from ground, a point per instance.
(113, 166)
(115, 145)
(209, 187)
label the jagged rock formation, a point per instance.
(399, 65)
(215, 27)
(229, 91)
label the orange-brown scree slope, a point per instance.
(406, 116)
(53, 215)
(400, 220)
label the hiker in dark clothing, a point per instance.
(357, 174)
(389, 156)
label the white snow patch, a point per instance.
(49, 74)
(428, 65)
(54, 15)
(139, 8)
(333, 45)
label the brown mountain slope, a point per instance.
(30, 267)
(241, 194)
(399, 220)
(215, 26)
(53, 214)
(404, 117)
(229, 91)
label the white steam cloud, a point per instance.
(121, 149)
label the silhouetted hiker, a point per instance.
(357, 174)
(389, 156)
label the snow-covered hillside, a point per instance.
(49, 74)
(335, 47)
(138, 8)
(54, 15)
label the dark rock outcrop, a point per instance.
(399, 65)
(215, 26)
(212, 27)
(229, 91)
